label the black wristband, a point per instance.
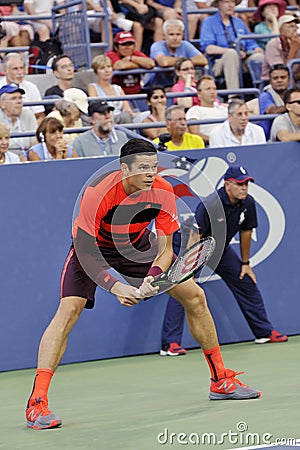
(245, 263)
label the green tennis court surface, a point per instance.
(146, 402)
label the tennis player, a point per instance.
(111, 231)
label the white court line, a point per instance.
(256, 447)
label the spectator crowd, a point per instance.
(149, 53)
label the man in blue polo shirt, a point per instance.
(224, 213)
(167, 52)
(218, 40)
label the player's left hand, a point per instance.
(247, 270)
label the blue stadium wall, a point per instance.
(37, 203)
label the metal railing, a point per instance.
(72, 19)
(211, 11)
(221, 92)
(290, 64)
(138, 126)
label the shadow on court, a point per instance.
(152, 402)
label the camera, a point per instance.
(234, 45)
(163, 138)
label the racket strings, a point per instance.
(200, 256)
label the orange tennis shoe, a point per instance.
(230, 388)
(38, 415)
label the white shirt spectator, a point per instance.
(203, 112)
(222, 136)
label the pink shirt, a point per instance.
(275, 54)
(179, 87)
(5, 10)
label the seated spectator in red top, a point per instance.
(185, 73)
(125, 57)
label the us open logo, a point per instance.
(193, 180)
(206, 175)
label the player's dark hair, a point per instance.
(135, 147)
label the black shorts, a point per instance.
(76, 283)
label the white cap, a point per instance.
(78, 97)
(287, 18)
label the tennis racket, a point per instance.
(186, 265)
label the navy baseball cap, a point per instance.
(100, 106)
(238, 174)
(10, 88)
